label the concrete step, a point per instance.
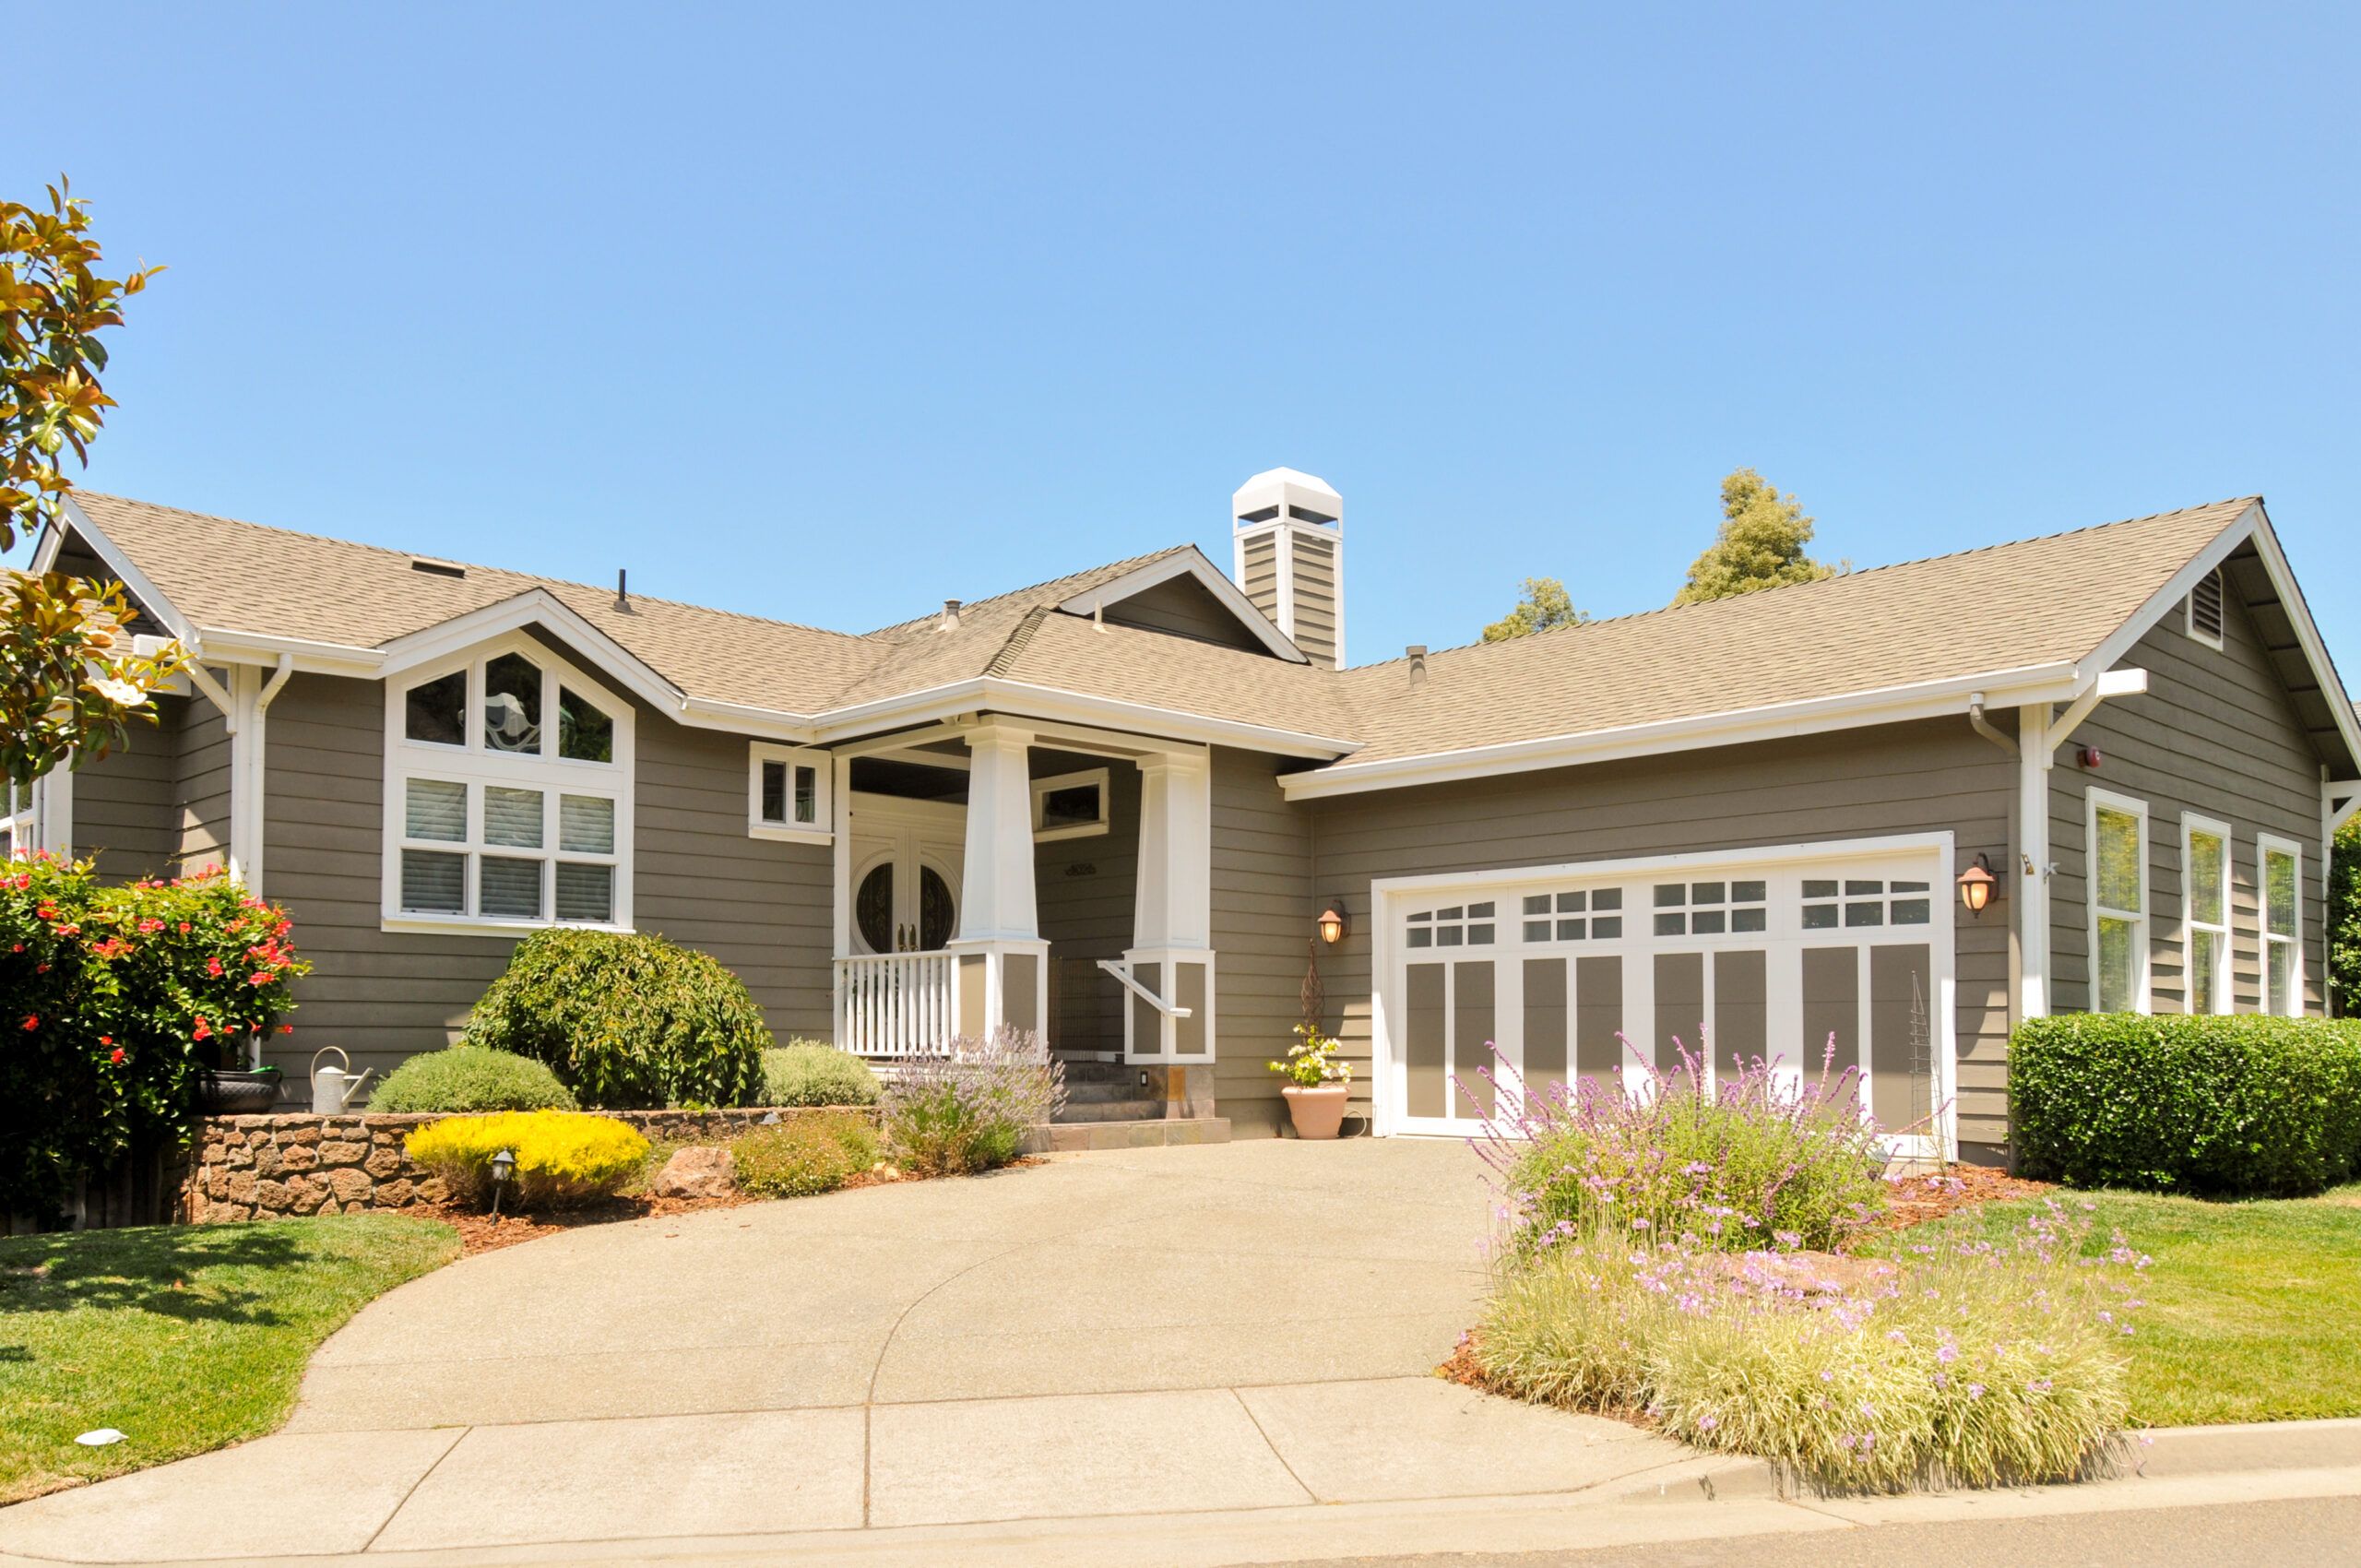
(1074, 1137)
(1099, 1091)
(1111, 1111)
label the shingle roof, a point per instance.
(2039, 602)
(2018, 605)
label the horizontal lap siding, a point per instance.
(1186, 607)
(124, 810)
(760, 908)
(2214, 734)
(1922, 777)
(1263, 906)
(201, 785)
(1085, 890)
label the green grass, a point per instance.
(184, 1338)
(2253, 1308)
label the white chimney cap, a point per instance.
(1307, 497)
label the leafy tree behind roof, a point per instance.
(1760, 544)
(1545, 605)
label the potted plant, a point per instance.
(227, 1090)
(1317, 1084)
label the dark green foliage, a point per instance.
(804, 1155)
(626, 1021)
(2345, 920)
(2236, 1106)
(805, 1072)
(468, 1077)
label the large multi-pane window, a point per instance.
(508, 794)
(2117, 874)
(2283, 926)
(2205, 881)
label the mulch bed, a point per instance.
(1915, 1200)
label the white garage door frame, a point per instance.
(1928, 856)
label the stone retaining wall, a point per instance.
(271, 1166)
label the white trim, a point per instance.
(2265, 845)
(2035, 864)
(2189, 618)
(2192, 823)
(1020, 700)
(532, 607)
(2096, 800)
(46, 549)
(819, 829)
(474, 765)
(1044, 788)
(1190, 562)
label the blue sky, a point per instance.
(831, 314)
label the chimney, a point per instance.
(1287, 530)
(950, 622)
(1417, 654)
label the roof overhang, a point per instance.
(1023, 699)
(1188, 563)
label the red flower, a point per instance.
(106, 1039)
(204, 1030)
(287, 1028)
(32, 1023)
(213, 968)
(117, 1055)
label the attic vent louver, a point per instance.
(2206, 602)
(434, 568)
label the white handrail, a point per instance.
(1122, 972)
(894, 1004)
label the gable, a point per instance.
(1184, 607)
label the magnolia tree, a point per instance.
(71, 678)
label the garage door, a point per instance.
(1834, 952)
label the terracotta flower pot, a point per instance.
(1316, 1113)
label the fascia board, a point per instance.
(122, 566)
(1190, 563)
(1856, 710)
(534, 605)
(228, 645)
(1022, 699)
(2161, 603)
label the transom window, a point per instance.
(2283, 926)
(1071, 805)
(1591, 914)
(1709, 909)
(1854, 901)
(788, 790)
(2117, 833)
(1455, 925)
(507, 795)
(2205, 876)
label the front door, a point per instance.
(905, 862)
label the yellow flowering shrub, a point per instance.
(563, 1157)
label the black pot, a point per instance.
(236, 1094)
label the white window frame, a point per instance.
(2096, 801)
(23, 825)
(2189, 611)
(821, 830)
(2191, 824)
(2265, 845)
(474, 765)
(1042, 789)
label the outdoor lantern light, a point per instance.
(1977, 885)
(1333, 923)
(504, 1165)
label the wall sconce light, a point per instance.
(504, 1165)
(1978, 885)
(1334, 923)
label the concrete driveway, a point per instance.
(1243, 1326)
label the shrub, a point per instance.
(806, 1071)
(1961, 1365)
(115, 996)
(629, 1021)
(2344, 920)
(468, 1078)
(2217, 1105)
(1760, 1154)
(968, 1109)
(804, 1154)
(563, 1157)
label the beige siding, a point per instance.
(1262, 909)
(1930, 777)
(123, 814)
(201, 786)
(2215, 734)
(1185, 606)
(1084, 893)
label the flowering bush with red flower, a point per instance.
(114, 997)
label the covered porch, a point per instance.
(1052, 878)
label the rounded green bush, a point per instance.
(468, 1078)
(627, 1021)
(2230, 1106)
(806, 1071)
(804, 1155)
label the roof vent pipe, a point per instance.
(1416, 653)
(622, 590)
(950, 616)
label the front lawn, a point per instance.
(2253, 1308)
(184, 1338)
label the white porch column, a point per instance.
(1172, 917)
(2033, 869)
(1002, 975)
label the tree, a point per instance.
(2344, 920)
(1546, 605)
(1760, 544)
(70, 678)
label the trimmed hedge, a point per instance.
(468, 1077)
(2234, 1106)
(628, 1022)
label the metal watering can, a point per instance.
(331, 1087)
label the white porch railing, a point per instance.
(894, 1004)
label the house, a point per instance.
(1897, 810)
